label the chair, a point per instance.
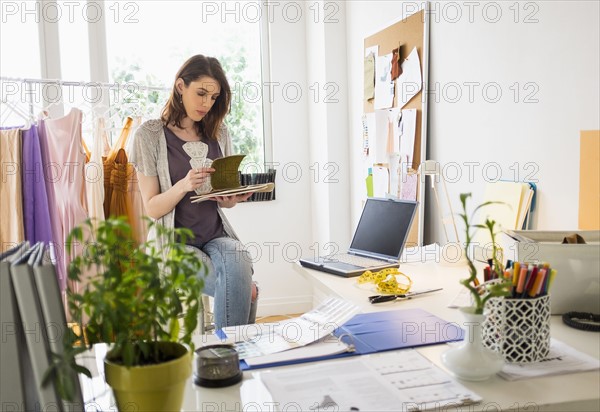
(205, 315)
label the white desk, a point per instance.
(574, 392)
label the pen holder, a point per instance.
(519, 329)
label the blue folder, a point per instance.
(383, 331)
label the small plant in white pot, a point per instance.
(471, 360)
(134, 298)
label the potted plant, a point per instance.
(501, 286)
(143, 302)
(471, 360)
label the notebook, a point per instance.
(377, 242)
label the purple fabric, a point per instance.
(36, 214)
(55, 247)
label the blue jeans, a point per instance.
(228, 278)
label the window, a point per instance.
(19, 42)
(19, 57)
(146, 42)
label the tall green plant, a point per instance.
(499, 288)
(132, 296)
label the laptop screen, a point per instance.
(383, 228)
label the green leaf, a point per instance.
(80, 369)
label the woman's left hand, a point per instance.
(230, 201)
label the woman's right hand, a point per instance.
(196, 177)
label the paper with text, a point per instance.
(384, 86)
(401, 380)
(409, 83)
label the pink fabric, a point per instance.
(64, 164)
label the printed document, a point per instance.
(562, 359)
(394, 381)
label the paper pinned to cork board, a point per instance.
(410, 81)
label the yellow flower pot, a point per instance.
(157, 387)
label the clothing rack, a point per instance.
(26, 95)
(123, 86)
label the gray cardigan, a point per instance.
(150, 158)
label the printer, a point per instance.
(577, 283)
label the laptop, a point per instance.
(377, 243)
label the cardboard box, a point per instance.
(577, 283)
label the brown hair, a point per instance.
(194, 68)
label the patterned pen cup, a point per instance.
(519, 329)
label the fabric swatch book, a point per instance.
(225, 180)
(363, 334)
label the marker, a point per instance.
(516, 272)
(486, 274)
(546, 285)
(552, 276)
(540, 291)
(530, 280)
(522, 276)
(533, 291)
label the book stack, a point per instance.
(511, 205)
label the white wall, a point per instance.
(546, 70)
(554, 61)
(309, 150)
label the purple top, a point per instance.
(201, 218)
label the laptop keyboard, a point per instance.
(360, 261)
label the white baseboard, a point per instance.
(284, 305)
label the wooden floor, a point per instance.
(276, 318)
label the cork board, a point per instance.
(589, 180)
(409, 33)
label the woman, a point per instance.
(192, 122)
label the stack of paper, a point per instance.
(292, 333)
(398, 381)
(561, 360)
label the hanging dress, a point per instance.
(66, 161)
(139, 224)
(11, 195)
(36, 213)
(94, 175)
(109, 162)
(120, 201)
